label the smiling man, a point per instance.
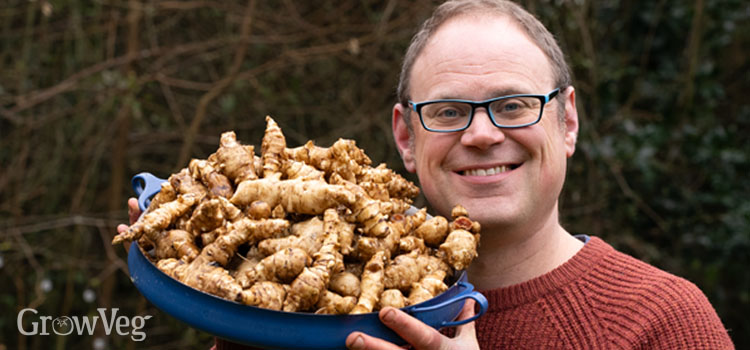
(508, 178)
(487, 119)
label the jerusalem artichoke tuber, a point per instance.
(295, 196)
(153, 222)
(459, 249)
(236, 161)
(282, 266)
(176, 243)
(307, 288)
(216, 182)
(331, 303)
(323, 231)
(371, 284)
(265, 294)
(272, 148)
(392, 298)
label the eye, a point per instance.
(511, 107)
(448, 112)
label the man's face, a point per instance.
(506, 178)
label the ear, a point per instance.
(571, 121)
(403, 137)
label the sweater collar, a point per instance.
(508, 297)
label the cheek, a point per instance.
(544, 142)
(430, 153)
(430, 149)
(553, 158)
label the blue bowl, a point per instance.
(277, 329)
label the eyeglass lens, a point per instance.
(512, 111)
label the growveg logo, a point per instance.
(66, 325)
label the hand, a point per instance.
(418, 334)
(133, 213)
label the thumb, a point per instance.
(467, 331)
(133, 210)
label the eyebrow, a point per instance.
(508, 91)
(493, 94)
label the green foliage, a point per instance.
(92, 93)
(662, 139)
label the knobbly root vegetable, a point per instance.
(157, 220)
(242, 231)
(295, 196)
(397, 186)
(345, 283)
(258, 210)
(459, 249)
(178, 244)
(272, 148)
(372, 284)
(404, 270)
(282, 266)
(207, 216)
(333, 304)
(166, 194)
(208, 278)
(246, 264)
(392, 298)
(427, 288)
(302, 171)
(410, 243)
(308, 287)
(304, 229)
(183, 182)
(433, 231)
(265, 294)
(235, 160)
(217, 183)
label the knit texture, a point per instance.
(599, 299)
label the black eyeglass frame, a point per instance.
(544, 99)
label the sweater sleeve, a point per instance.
(685, 319)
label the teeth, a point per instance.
(486, 172)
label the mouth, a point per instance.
(488, 171)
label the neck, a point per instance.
(508, 256)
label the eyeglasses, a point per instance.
(512, 111)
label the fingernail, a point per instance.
(388, 316)
(358, 343)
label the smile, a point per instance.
(488, 171)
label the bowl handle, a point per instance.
(145, 185)
(478, 297)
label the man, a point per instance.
(487, 119)
(504, 159)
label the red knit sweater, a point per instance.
(599, 299)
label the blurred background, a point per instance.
(94, 92)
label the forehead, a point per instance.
(478, 56)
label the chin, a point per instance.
(492, 214)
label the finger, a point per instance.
(122, 228)
(414, 331)
(361, 341)
(466, 331)
(133, 210)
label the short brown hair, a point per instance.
(536, 31)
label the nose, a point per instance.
(482, 133)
